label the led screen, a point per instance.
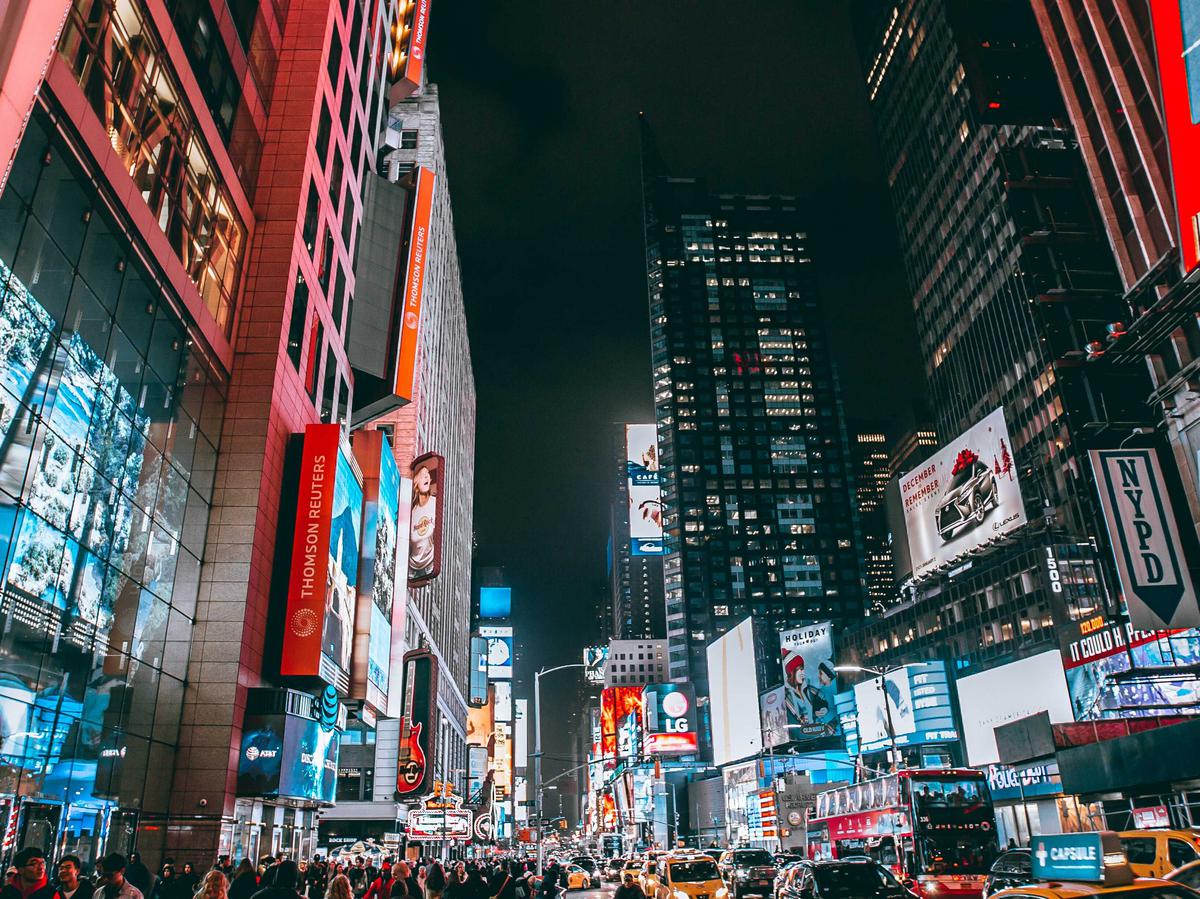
(919, 700)
(425, 521)
(733, 682)
(642, 483)
(500, 652)
(810, 684)
(495, 602)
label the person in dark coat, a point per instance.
(29, 881)
(71, 880)
(629, 889)
(284, 884)
(138, 875)
(245, 882)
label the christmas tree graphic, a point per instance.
(1006, 462)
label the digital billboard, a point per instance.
(1009, 693)
(323, 589)
(1155, 582)
(495, 602)
(395, 699)
(1097, 652)
(481, 721)
(1177, 47)
(412, 290)
(669, 713)
(774, 715)
(500, 651)
(594, 660)
(965, 495)
(291, 756)
(425, 524)
(918, 699)
(406, 61)
(809, 682)
(616, 705)
(520, 733)
(478, 681)
(645, 497)
(418, 727)
(504, 701)
(733, 680)
(377, 569)
(477, 769)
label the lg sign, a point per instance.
(670, 719)
(675, 705)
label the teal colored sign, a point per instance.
(1069, 856)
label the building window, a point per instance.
(408, 140)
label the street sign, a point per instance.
(1091, 857)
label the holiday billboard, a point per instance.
(425, 520)
(670, 719)
(414, 767)
(323, 589)
(1146, 545)
(645, 498)
(377, 579)
(809, 682)
(733, 681)
(964, 496)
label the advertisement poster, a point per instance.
(773, 712)
(616, 705)
(594, 660)
(1155, 582)
(414, 774)
(809, 681)
(669, 714)
(645, 497)
(733, 678)
(261, 758)
(477, 686)
(1009, 693)
(495, 602)
(1098, 650)
(323, 590)
(310, 755)
(395, 697)
(425, 522)
(918, 699)
(504, 701)
(500, 652)
(962, 497)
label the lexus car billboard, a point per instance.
(1008, 693)
(645, 498)
(962, 497)
(732, 680)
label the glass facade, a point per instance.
(108, 430)
(121, 66)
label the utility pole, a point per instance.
(537, 751)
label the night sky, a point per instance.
(539, 108)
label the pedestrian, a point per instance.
(115, 885)
(435, 881)
(284, 881)
(339, 887)
(357, 875)
(381, 886)
(71, 880)
(245, 881)
(629, 889)
(456, 882)
(138, 875)
(28, 879)
(215, 885)
(225, 866)
(189, 880)
(477, 887)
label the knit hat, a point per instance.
(792, 661)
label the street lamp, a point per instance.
(887, 704)
(537, 750)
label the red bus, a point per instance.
(934, 828)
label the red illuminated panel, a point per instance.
(414, 63)
(615, 705)
(413, 286)
(671, 744)
(1183, 132)
(301, 653)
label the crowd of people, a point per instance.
(282, 878)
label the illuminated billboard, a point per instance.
(774, 716)
(418, 728)
(594, 660)
(669, 713)
(409, 34)
(1176, 42)
(964, 496)
(477, 687)
(1155, 582)
(395, 699)
(500, 651)
(645, 498)
(323, 589)
(617, 704)
(425, 522)
(809, 682)
(1008, 693)
(495, 602)
(520, 733)
(377, 569)
(504, 701)
(291, 756)
(412, 290)
(477, 769)
(919, 700)
(733, 681)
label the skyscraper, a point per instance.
(757, 485)
(870, 455)
(635, 576)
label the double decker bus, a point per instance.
(934, 828)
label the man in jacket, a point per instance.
(629, 889)
(115, 884)
(71, 881)
(139, 875)
(29, 881)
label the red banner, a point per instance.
(413, 286)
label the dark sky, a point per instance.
(539, 106)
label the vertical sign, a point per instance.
(1155, 582)
(642, 484)
(395, 699)
(425, 520)
(412, 290)
(409, 36)
(323, 587)
(414, 768)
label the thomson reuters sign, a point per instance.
(413, 285)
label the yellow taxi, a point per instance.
(689, 875)
(632, 867)
(1079, 865)
(648, 876)
(1155, 853)
(578, 878)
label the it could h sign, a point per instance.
(1145, 540)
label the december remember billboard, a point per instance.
(733, 684)
(964, 496)
(645, 498)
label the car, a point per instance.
(1012, 868)
(1152, 853)
(689, 875)
(1141, 888)
(1188, 875)
(632, 866)
(612, 868)
(578, 878)
(969, 496)
(784, 877)
(748, 872)
(586, 862)
(842, 878)
(648, 877)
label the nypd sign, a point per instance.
(1155, 581)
